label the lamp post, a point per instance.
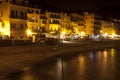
(28, 33)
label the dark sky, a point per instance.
(79, 5)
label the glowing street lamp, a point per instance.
(113, 34)
(106, 34)
(63, 32)
(83, 33)
(101, 31)
(29, 32)
(2, 30)
(7, 33)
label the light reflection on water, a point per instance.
(95, 65)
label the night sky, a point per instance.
(78, 5)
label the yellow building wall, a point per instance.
(18, 32)
(89, 25)
(4, 8)
(34, 25)
(54, 27)
(108, 28)
(7, 20)
(80, 29)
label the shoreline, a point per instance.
(24, 57)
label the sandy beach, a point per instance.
(20, 58)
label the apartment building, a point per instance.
(65, 24)
(53, 22)
(14, 17)
(117, 26)
(108, 28)
(92, 23)
(33, 21)
(43, 23)
(77, 21)
(97, 24)
(1, 28)
(17, 17)
(19, 21)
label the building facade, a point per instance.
(78, 23)
(33, 22)
(18, 20)
(53, 22)
(14, 17)
(92, 23)
(18, 17)
(108, 28)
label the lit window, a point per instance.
(33, 18)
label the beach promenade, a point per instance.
(20, 58)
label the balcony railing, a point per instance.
(21, 3)
(18, 17)
(31, 20)
(55, 16)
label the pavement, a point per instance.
(20, 58)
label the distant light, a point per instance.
(33, 18)
(82, 33)
(113, 34)
(106, 34)
(7, 33)
(51, 20)
(63, 32)
(28, 31)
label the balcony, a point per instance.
(33, 20)
(18, 17)
(97, 23)
(97, 27)
(43, 17)
(20, 3)
(54, 22)
(55, 16)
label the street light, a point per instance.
(2, 30)
(101, 31)
(29, 33)
(83, 33)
